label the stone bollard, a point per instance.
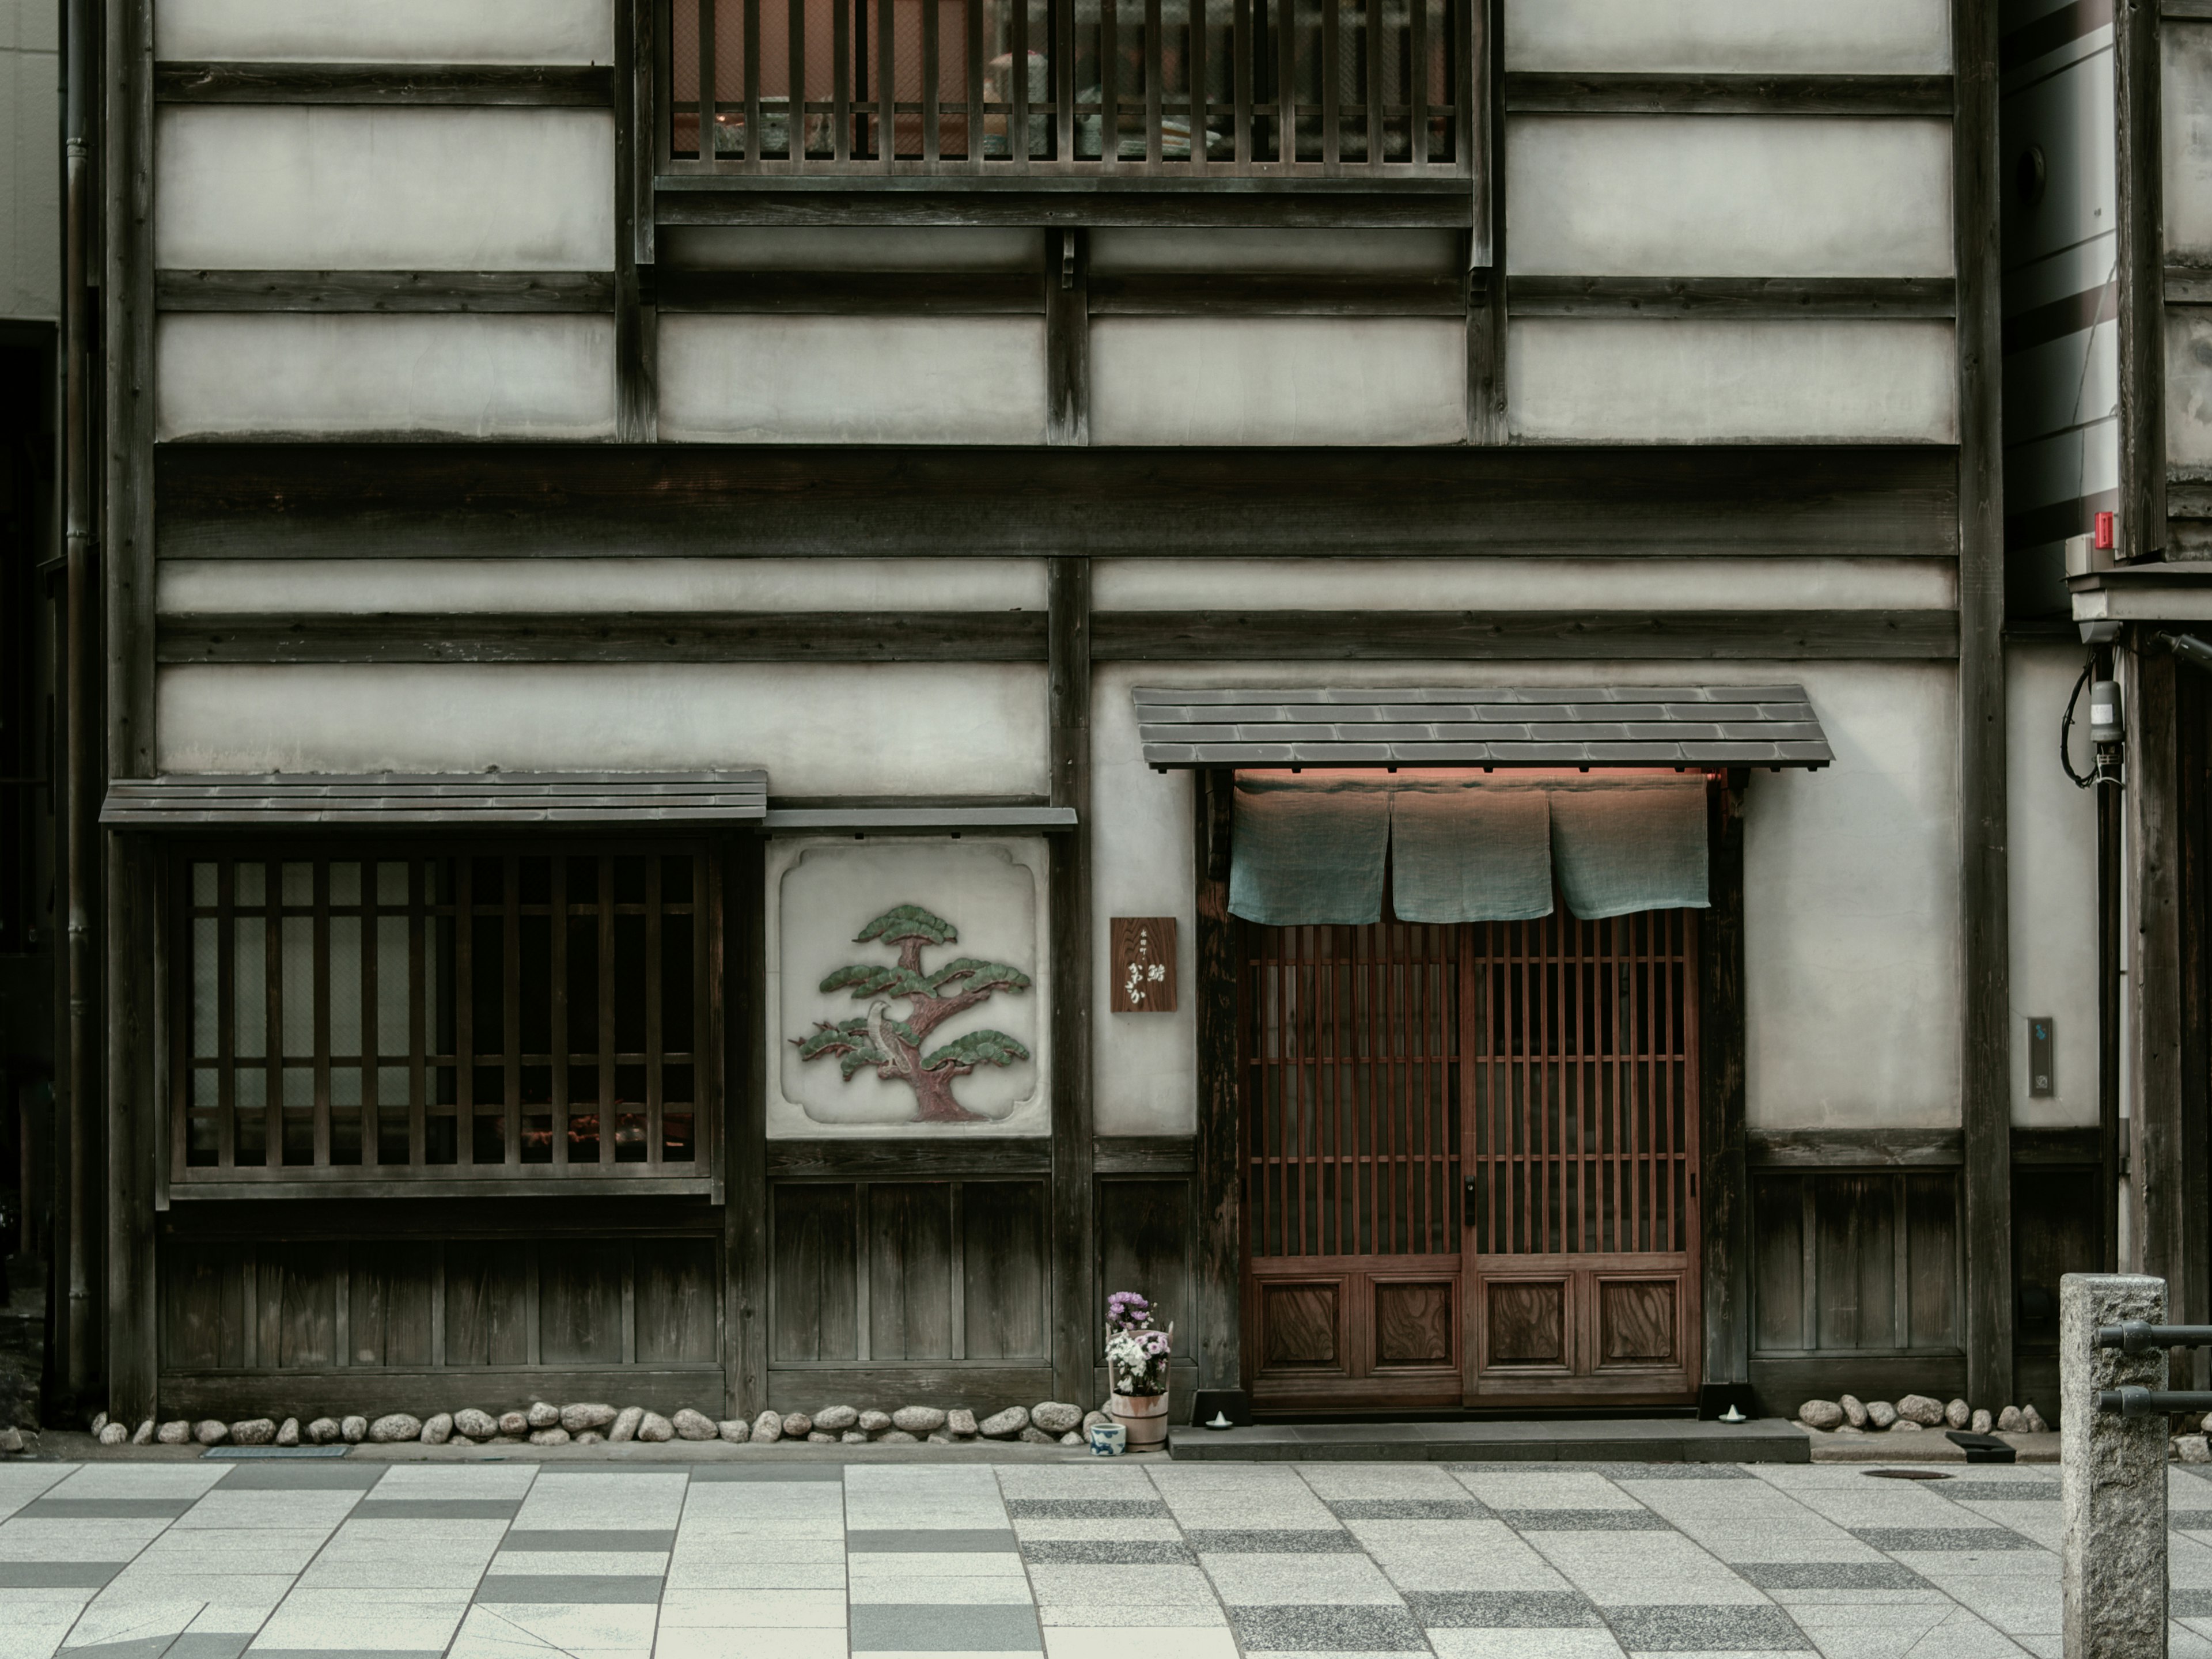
(2112, 1474)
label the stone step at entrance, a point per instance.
(1620, 1440)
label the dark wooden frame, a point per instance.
(568, 85)
(370, 1175)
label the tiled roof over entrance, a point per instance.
(1583, 726)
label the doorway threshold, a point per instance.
(1657, 1440)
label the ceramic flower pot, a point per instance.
(1144, 1415)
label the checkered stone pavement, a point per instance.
(1078, 1559)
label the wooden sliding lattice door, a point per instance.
(1470, 1158)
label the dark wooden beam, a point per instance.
(1984, 1051)
(475, 501)
(851, 293)
(2189, 1300)
(746, 1058)
(1732, 296)
(982, 1387)
(2138, 90)
(1067, 338)
(2074, 1146)
(1853, 1149)
(848, 1160)
(1075, 1309)
(637, 391)
(1724, 1205)
(1487, 413)
(1367, 635)
(1147, 1154)
(589, 86)
(674, 636)
(385, 291)
(1056, 203)
(1218, 1263)
(1534, 93)
(1235, 293)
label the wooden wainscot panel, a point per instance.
(1144, 964)
(1143, 1245)
(1301, 1326)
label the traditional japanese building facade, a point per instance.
(746, 770)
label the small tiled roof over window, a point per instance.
(477, 798)
(1583, 726)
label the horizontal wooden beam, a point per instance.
(385, 291)
(671, 636)
(833, 293)
(1531, 92)
(1074, 202)
(486, 1183)
(1368, 635)
(1237, 294)
(851, 1159)
(2186, 285)
(307, 500)
(371, 1390)
(881, 820)
(984, 1387)
(1146, 1155)
(1852, 1148)
(1731, 296)
(589, 86)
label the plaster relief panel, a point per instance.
(908, 993)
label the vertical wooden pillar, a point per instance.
(2138, 81)
(126, 564)
(2191, 1285)
(1985, 1056)
(1067, 337)
(1724, 1202)
(1219, 1260)
(1485, 276)
(1075, 1311)
(637, 411)
(744, 1117)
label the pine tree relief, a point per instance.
(893, 1045)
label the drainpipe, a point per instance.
(80, 691)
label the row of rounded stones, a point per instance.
(1917, 1411)
(1050, 1423)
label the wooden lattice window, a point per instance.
(508, 1014)
(1276, 86)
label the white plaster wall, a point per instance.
(1115, 252)
(850, 247)
(1142, 1067)
(308, 187)
(1278, 381)
(852, 379)
(463, 376)
(1892, 37)
(820, 729)
(1522, 584)
(30, 160)
(2189, 385)
(2051, 860)
(1850, 877)
(2185, 124)
(388, 31)
(1851, 912)
(366, 587)
(1687, 380)
(1728, 196)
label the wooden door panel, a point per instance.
(1636, 1322)
(1299, 1326)
(1413, 1322)
(1526, 1323)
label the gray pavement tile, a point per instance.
(1668, 1470)
(2189, 1603)
(209, 1644)
(342, 1653)
(516, 1586)
(949, 1627)
(435, 1509)
(926, 1540)
(797, 1473)
(1501, 1610)
(1405, 1509)
(1285, 1541)
(1706, 1630)
(2176, 1520)
(1305, 1629)
(103, 1509)
(2001, 1492)
(303, 1477)
(57, 1575)
(566, 1542)
(1942, 1538)
(1085, 1509)
(1829, 1575)
(1107, 1552)
(141, 1647)
(1582, 1521)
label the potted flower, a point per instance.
(1137, 1360)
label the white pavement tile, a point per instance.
(317, 1511)
(751, 1609)
(1342, 1480)
(1957, 1635)
(1066, 1583)
(1183, 1641)
(70, 1538)
(1524, 1644)
(692, 1643)
(646, 1500)
(930, 1591)
(1127, 1530)
(232, 1549)
(598, 1563)
(434, 1481)
(1503, 1487)
(1105, 1478)
(1241, 1498)
(1643, 1569)
(20, 1482)
(567, 1628)
(256, 1593)
(1256, 1581)
(141, 1480)
(1458, 1555)
(405, 1620)
(1129, 1614)
(420, 1554)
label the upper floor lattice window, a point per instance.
(1319, 88)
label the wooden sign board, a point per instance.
(1144, 964)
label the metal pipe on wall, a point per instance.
(81, 659)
